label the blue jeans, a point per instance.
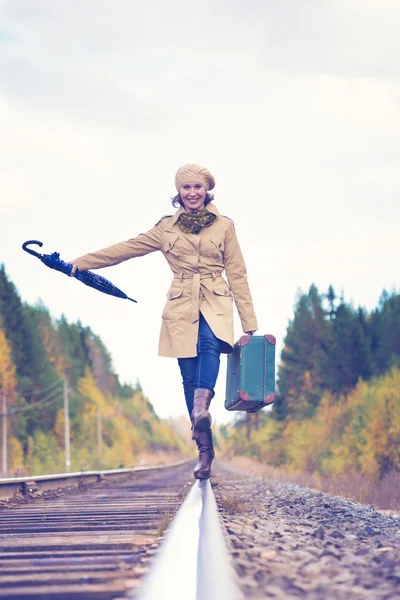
(201, 371)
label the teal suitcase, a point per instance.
(250, 376)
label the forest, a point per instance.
(337, 412)
(45, 363)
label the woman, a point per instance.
(197, 321)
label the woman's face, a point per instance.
(193, 195)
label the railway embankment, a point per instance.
(289, 541)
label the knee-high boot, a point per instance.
(206, 454)
(201, 418)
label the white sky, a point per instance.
(294, 106)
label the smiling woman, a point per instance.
(197, 321)
(193, 195)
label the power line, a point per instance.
(48, 401)
(44, 403)
(48, 397)
(40, 402)
(40, 392)
(20, 409)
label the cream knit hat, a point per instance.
(193, 172)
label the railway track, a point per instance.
(96, 539)
(98, 535)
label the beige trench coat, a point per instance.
(197, 262)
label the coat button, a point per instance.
(194, 253)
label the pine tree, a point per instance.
(29, 356)
(50, 338)
(385, 333)
(306, 367)
(331, 297)
(76, 350)
(101, 363)
(351, 351)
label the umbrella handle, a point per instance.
(25, 247)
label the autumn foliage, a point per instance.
(338, 407)
(111, 424)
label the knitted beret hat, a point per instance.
(193, 172)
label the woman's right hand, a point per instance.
(74, 268)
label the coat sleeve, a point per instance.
(236, 273)
(117, 253)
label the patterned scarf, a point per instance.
(193, 222)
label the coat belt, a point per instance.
(197, 278)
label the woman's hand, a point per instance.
(250, 332)
(74, 268)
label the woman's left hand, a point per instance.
(74, 268)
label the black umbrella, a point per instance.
(87, 277)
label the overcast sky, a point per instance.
(292, 105)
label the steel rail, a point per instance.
(193, 562)
(93, 542)
(11, 486)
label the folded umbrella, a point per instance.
(87, 277)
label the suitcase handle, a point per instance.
(243, 341)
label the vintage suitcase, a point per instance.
(250, 377)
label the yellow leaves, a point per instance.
(112, 432)
(8, 381)
(59, 429)
(298, 399)
(105, 431)
(122, 444)
(16, 456)
(382, 424)
(45, 455)
(267, 438)
(369, 429)
(358, 433)
(304, 443)
(88, 388)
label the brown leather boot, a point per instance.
(201, 418)
(204, 442)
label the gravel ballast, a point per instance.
(289, 542)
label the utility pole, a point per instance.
(4, 467)
(248, 426)
(99, 436)
(66, 426)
